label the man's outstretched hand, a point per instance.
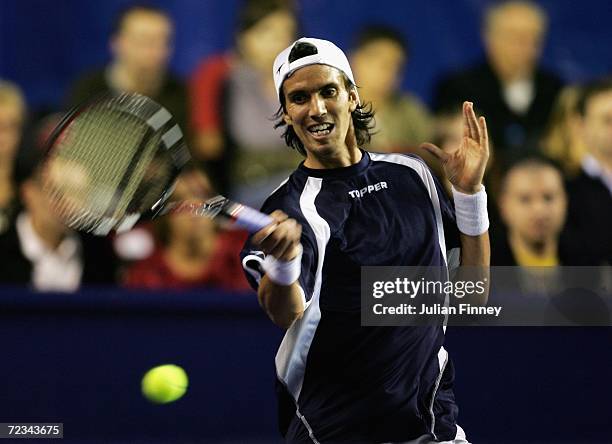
(465, 166)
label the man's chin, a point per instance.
(537, 240)
(322, 148)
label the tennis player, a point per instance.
(341, 209)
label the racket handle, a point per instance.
(227, 212)
(244, 217)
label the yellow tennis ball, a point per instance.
(165, 383)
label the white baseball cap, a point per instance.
(327, 54)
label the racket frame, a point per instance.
(172, 140)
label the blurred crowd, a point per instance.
(549, 179)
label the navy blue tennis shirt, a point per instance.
(339, 381)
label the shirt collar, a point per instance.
(341, 172)
(593, 168)
(33, 246)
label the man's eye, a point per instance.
(329, 92)
(298, 98)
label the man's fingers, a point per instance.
(471, 121)
(263, 234)
(484, 135)
(279, 251)
(278, 216)
(466, 125)
(285, 237)
(278, 239)
(287, 249)
(435, 151)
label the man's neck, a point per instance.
(186, 261)
(507, 77)
(605, 162)
(49, 237)
(545, 249)
(189, 250)
(509, 80)
(347, 156)
(124, 79)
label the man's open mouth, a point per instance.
(322, 129)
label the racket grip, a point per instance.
(229, 213)
(247, 218)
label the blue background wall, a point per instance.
(44, 44)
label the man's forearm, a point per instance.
(475, 250)
(476, 258)
(284, 304)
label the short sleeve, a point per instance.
(252, 258)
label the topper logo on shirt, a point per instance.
(357, 194)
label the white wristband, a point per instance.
(283, 272)
(471, 212)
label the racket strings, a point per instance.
(107, 163)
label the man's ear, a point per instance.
(353, 99)
(287, 119)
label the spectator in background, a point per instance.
(588, 234)
(509, 87)
(12, 116)
(533, 206)
(448, 128)
(141, 45)
(233, 101)
(191, 251)
(378, 61)
(562, 141)
(39, 251)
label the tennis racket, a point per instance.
(114, 160)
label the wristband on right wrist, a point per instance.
(283, 272)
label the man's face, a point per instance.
(450, 132)
(597, 124)
(377, 67)
(533, 204)
(198, 232)
(260, 44)
(10, 130)
(144, 42)
(39, 207)
(514, 42)
(318, 106)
